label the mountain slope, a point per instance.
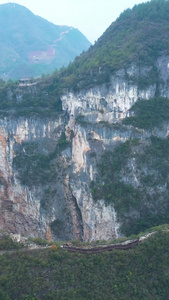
(139, 36)
(30, 45)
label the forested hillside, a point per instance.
(138, 273)
(139, 36)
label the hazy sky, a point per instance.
(91, 17)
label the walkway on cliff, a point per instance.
(128, 244)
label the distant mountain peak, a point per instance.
(31, 45)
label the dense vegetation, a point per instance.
(6, 243)
(42, 99)
(139, 273)
(139, 35)
(149, 114)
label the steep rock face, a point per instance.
(47, 164)
(107, 103)
(94, 117)
(32, 192)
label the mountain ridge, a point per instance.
(29, 42)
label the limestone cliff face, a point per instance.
(32, 202)
(19, 210)
(47, 164)
(94, 116)
(112, 101)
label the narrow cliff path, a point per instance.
(128, 244)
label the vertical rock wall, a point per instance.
(31, 208)
(90, 114)
(50, 193)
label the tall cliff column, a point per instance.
(106, 104)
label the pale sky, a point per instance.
(91, 17)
